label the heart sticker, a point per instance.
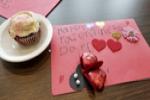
(114, 46)
(116, 35)
(98, 44)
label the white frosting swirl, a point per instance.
(23, 24)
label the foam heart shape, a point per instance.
(98, 44)
(114, 46)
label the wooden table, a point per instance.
(31, 80)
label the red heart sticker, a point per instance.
(114, 46)
(98, 44)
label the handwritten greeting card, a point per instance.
(124, 60)
(10, 7)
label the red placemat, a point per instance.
(131, 63)
(10, 7)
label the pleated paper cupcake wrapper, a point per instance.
(29, 40)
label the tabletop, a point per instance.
(31, 80)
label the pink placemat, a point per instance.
(10, 7)
(131, 63)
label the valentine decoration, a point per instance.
(114, 46)
(130, 34)
(75, 75)
(99, 45)
(116, 35)
(124, 64)
(92, 72)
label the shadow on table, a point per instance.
(28, 67)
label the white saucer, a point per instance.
(11, 51)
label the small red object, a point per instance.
(96, 78)
(89, 61)
(91, 70)
(98, 44)
(114, 46)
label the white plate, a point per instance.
(11, 51)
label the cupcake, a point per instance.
(24, 28)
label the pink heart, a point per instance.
(98, 44)
(114, 46)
